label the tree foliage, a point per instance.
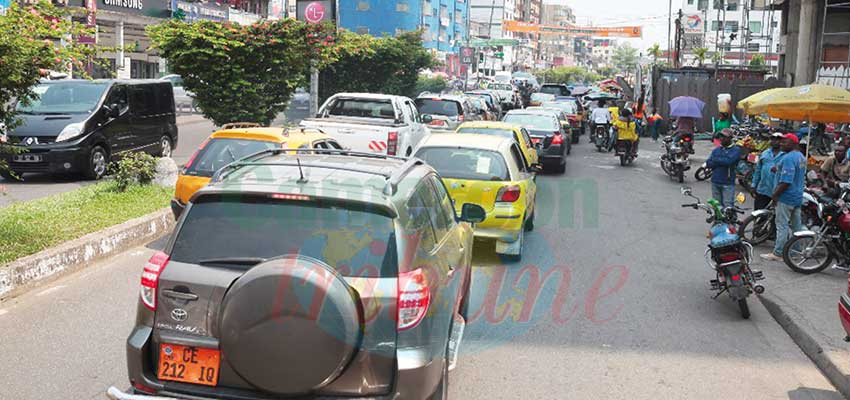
(567, 75)
(606, 71)
(758, 61)
(625, 58)
(655, 52)
(700, 53)
(389, 65)
(243, 73)
(434, 84)
(29, 50)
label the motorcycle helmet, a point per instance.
(844, 222)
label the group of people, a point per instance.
(779, 180)
(626, 124)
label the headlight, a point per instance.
(71, 131)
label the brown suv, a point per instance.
(308, 274)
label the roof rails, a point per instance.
(393, 179)
(240, 125)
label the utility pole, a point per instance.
(744, 32)
(677, 61)
(669, 28)
(474, 55)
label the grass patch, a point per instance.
(32, 226)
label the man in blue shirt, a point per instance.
(763, 176)
(788, 194)
(723, 161)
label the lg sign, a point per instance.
(315, 12)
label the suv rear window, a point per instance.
(460, 163)
(366, 108)
(489, 131)
(352, 239)
(220, 152)
(449, 108)
(533, 121)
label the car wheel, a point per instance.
(165, 147)
(442, 391)
(562, 167)
(98, 160)
(529, 224)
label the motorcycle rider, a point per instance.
(763, 176)
(788, 195)
(723, 161)
(626, 130)
(836, 168)
(599, 116)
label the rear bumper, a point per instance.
(553, 152)
(503, 224)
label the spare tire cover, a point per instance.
(289, 325)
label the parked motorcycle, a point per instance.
(760, 225)
(812, 251)
(727, 254)
(675, 160)
(703, 172)
(602, 136)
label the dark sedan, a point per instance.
(543, 127)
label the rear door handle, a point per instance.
(179, 295)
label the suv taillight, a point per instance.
(508, 194)
(392, 143)
(150, 278)
(414, 297)
(460, 118)
(558, 138)
(195, 154)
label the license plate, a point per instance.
(27, 158)
(535, 140)
(188, 364)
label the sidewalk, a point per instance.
(806, 306)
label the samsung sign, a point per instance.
(132, 4)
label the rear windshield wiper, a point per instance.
(233, 261)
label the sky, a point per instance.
(651, 14)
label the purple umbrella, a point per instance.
(686, 106)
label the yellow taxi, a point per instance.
(505, 129)
(234, 142)
(491, 172)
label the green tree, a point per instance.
(606, 71)
(29, 50)
(700, 53)
(655, 52)
(434, 84)
(389, 65)
(625, 58)
(243, 73)
(567, 75)
(716, 58)
(758, 61)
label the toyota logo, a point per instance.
(179, 314)
(30, 141)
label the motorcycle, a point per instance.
(703, 172)
(626, 150)
(675, 160)
(760, 225)
(727, 254)
(744, 172)
(831, 241)
(601, 137)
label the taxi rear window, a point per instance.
(220, 152)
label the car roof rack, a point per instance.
(240, 125)
(393, 179)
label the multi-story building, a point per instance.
(732, 30)
(489, 14)
(557, 50)
(602, 51)
(443, 22)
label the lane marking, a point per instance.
(49, 290)
(3, 311)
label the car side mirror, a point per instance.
(427, 119)
(472, 213)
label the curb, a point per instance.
(26, 273)
(823, 359)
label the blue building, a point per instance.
(444, 22)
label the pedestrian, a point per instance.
(723, 161)
(640, 118)
(654, 120)
(836, 168)
(722, 123)
(764, 176)
(788, 195)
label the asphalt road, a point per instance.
(41, 185)
(624, 310)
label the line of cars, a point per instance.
(270, 218)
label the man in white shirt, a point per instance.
(599, 116)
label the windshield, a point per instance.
(64, 98)
(489, 131)
(542, 96)
(262, 227)
(460, 163)
(502, 78)
(365, 108)
(484, 96)
(220, 152)
(448, 108)
(567, 107)
(533, 121)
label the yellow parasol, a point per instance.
(745, 104)
(813, 103)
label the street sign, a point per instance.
(692, 41)
(467, 55)
(494, 42)
(315, 12)
(694, 23)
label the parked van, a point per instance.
(79, 126)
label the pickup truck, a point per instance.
(375, 123)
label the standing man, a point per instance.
(654, 121)
(788, 194)
(722, 161)
(836, 169)
(764, 176)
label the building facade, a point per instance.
(732, 30)
(557, 50)
(488, 16)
